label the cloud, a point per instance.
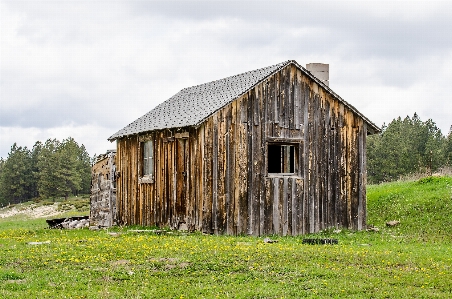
(68, 65)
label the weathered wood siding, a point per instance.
(213, 178)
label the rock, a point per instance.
(373, 229)
(268, 240)
(79, 225)
(183, 226)
(392, 223)
(73, 224)
(38, 243)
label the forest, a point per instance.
(57, 169)
(52, 169)
(406, 147)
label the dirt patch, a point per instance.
(31, 211)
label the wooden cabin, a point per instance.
(270, 151)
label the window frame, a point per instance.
(294, 158)
(147, 161)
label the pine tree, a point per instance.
(16, 176)
(405, 146)
(84, 168)
(3, 200)
(448, 148)
(48, 169)
(69, 175)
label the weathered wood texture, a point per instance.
(214, 178)
(103, 192)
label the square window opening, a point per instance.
(282, 158)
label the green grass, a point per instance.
(412, 260)
(423, 207)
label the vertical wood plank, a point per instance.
(249, 215)
(263, 90)
(362, 179)
(282, 203)
(268, 207)
(275, 212)
(215, 174)
(207, 204)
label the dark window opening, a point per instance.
(281, 158)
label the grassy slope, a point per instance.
(423, 207)
(412, 260)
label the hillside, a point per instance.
(34, 212)
(422, 207)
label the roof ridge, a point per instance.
(240, 74)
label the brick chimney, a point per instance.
(321, 71)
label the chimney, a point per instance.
(321, 71)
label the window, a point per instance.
(282, 158)
(148, 158)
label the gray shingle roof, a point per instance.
(192, 105)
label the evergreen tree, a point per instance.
(433, 156)
(2, 199)
(64, 169)
(16, 176)
(404, 146)
(53, 169)
(448, 148)
(35, 152)
(48, 168)
(69, 166)
(84, 168)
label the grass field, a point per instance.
(411, 260)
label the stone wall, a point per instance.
(103, 191)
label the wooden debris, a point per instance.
(320, 241)
(74, 222)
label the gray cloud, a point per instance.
(373, 34)
(104, 64)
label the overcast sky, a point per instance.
(86, 69)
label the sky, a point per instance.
(86, 69)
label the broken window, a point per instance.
(148, 158)
(282, 158)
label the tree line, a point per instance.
(49, 170)
(407, 146)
